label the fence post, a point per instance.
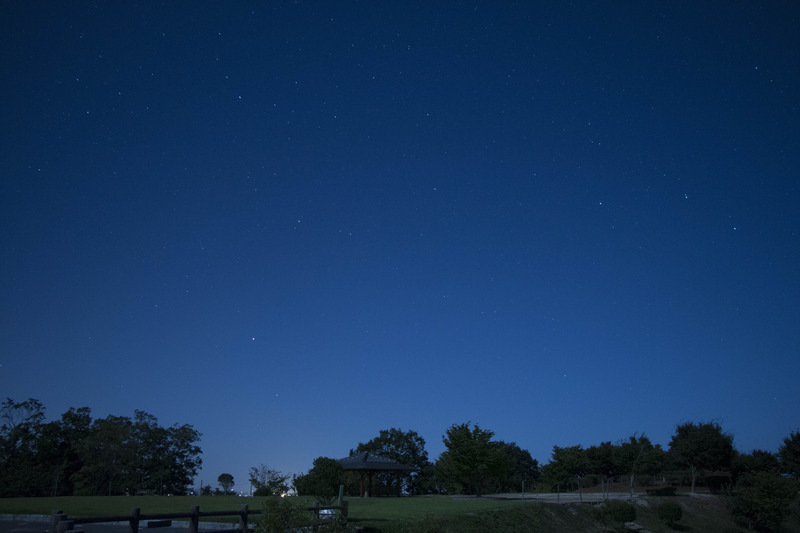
(194, 519)
(345, 505)
(55, 518)
(65, 525)
(243, 518)
(133, 521)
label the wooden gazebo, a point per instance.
(367, 463)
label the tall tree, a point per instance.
(268, 482)
(789, 455)
(701, 446)
(48, 449)
(567, 466)
(638, 455)
(147, 443)
(518, 470)
(602, 462)
(114, 455)
(20, 425)
(75, 427)
(406, 447)
(107, 458)
(322, 480)
(225, 481)
(182, 458)
(743, 464)
(470, 459)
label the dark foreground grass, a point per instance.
(82, 506)
(701, 514)
(424, 514)
(528, 517)
(418, 507)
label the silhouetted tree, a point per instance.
(638, 455)
(517, 467)
(701, 446)
(182, 458)
(602, 462)
(756, 461)
(322, 480)
(225, 481)
(74, 427)
(20, 424)
(405, 447)
(107, 458)
(470, 458)
(75, 455)
(789, 454)
(567, 466)
(268, 482)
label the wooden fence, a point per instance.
(61, 523)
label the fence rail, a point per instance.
(61, 523)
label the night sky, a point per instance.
(294, 224)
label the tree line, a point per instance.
(264, 482)
(472, 463)
(762, 484)
(77, 455)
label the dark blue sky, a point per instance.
(292, 225)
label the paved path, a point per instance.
(27, 525)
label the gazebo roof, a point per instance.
(371, 461)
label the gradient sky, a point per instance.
(294, 224)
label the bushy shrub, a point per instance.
(280, 515)
(670, 512)
(763, 502)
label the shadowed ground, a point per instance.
(41, 524)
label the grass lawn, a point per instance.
(361, 509)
